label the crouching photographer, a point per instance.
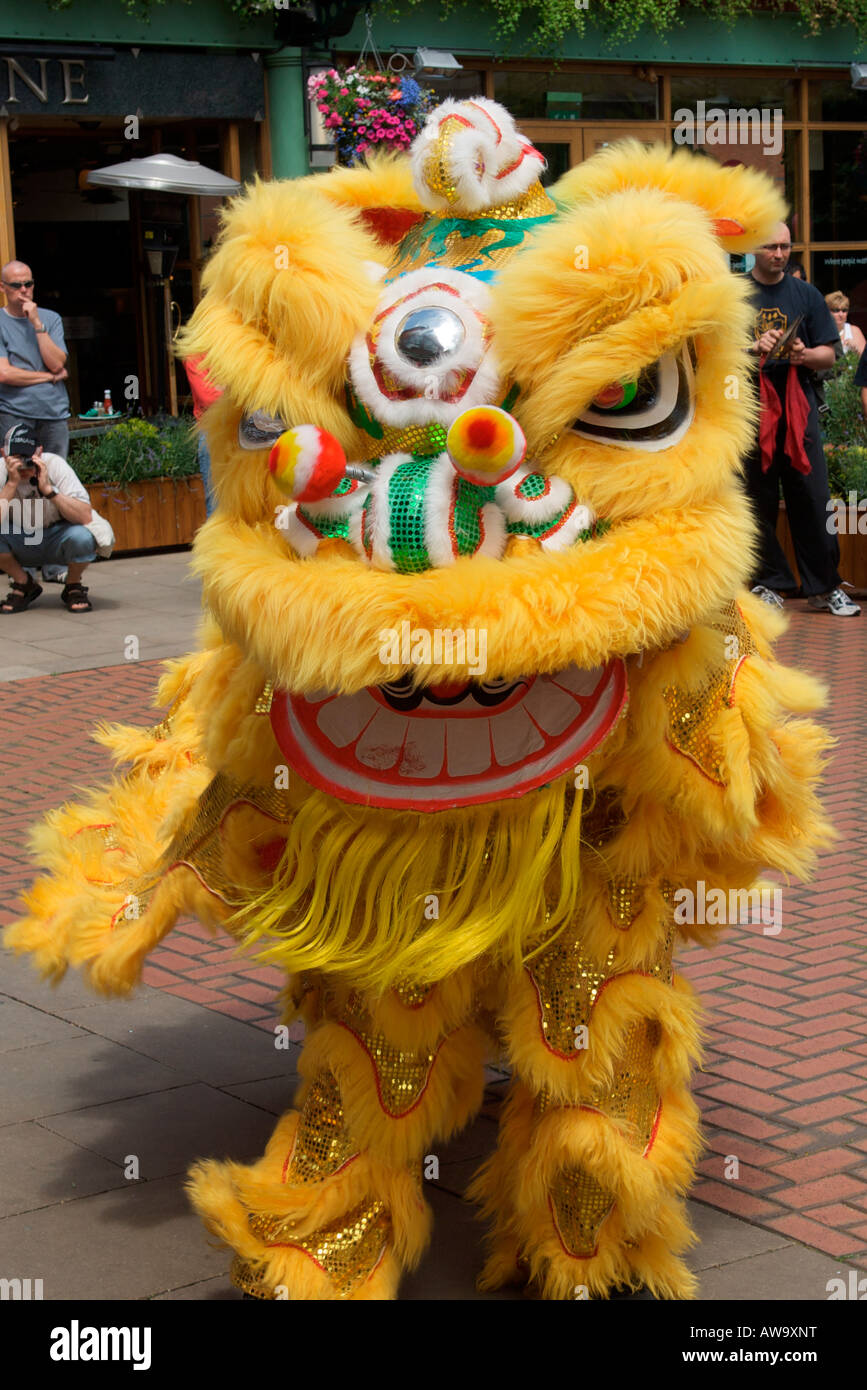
(45, 513)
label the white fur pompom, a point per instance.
(469, 157)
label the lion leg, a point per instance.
(334, 1209)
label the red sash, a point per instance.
(797, 414)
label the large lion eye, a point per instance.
(650, 411)
(259, 430)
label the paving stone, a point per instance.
(724, 1238)
(21, 1025)
(792, 1273)
(199, 1042)
(53, 1078)
(133, 1243)
(274, 1094)
(216, 1290)
(454, 1259)
(169, 1130)
(39, 1168)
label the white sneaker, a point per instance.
(767, 595)
(836, 602)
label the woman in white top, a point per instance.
(851, 337)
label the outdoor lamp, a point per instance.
(436, 60)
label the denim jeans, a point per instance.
(64, 543)
(53, 435)
(205, 469)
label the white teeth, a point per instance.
(342, 720)
(515, 736)
(381, 743)
(552, 708)
(424, 749)
(468, 744)
(578, 681)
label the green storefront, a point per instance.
(91, 84)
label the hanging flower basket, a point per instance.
(364, 111)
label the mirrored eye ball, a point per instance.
(486, 445)
(307, 463)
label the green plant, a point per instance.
(844, 425)
(847, 472)
(554, 19)
(368, 110)
(136, 450)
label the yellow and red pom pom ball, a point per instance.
(486, 445)
(307, 463)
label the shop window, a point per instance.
(846, 270)
(838, 185)
(735, 88)
(461, 86)
(837, 100)
(577, 96)
(558, 160)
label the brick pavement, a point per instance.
(784, 1085)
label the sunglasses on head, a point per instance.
(18, 284)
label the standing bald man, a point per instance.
(32, 363)
(788, 452)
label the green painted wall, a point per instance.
(286, 98)
(761, 39)
(201, 23)
(766, 39)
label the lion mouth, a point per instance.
(441, 747)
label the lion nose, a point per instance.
(428, 335)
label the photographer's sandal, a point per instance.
(20, 596)
(75, 598)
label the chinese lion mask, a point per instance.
(479, 691)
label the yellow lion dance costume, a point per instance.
(470, 709)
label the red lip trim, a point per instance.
(335, 769)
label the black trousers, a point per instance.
(817, 549)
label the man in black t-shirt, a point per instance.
(788, 450)
(861, 380)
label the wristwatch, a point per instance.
(41, 328)
(48, 495)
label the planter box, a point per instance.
(152, 514)
(853, 552)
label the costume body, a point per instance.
(468, 719)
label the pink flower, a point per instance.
(344, 91)
(362, 130)
(333, 119)
(379, 132)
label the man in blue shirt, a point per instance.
(32, 363)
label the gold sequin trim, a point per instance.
(200, 844)
(693, 713)
(265, 700)
(248, 1280)
(413, 996)
(567, 983)
(579, 1205)
(348, 1250)
(322, 1144)
(632, 1097)
(401, 1077)
(626, 899)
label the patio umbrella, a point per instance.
(166, 173)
